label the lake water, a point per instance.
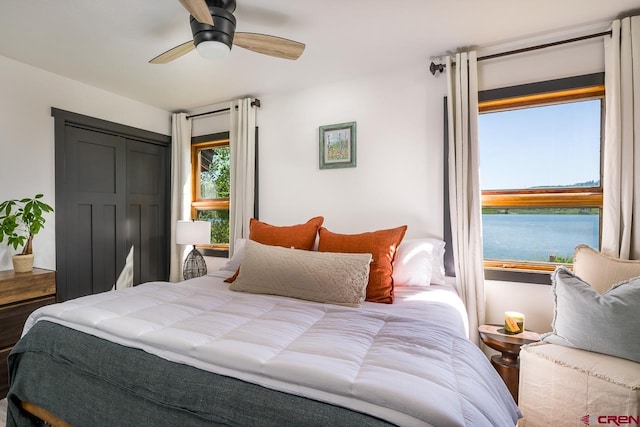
(536, 237)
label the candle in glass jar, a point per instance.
(513, 322)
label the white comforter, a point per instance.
(409, 363)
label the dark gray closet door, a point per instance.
(147, 210)
(95, 170)
(112, 193)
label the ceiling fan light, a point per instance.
(213, 49)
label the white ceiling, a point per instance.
(107, 43)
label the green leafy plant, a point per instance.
(21, 220)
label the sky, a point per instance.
(542, 146)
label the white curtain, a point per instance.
(464, 186)
(621, 177)
(180, 188)
(242, 138)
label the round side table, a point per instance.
(507, 363)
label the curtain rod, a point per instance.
(440, 67)
(254, 103)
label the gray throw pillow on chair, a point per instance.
(607, 323)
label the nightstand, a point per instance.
(20, 295)
(507, 364)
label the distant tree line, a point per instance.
(592, 183)
(540, 211)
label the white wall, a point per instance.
(398, 178)
(210, 123)
(567, 60)
(27, 136)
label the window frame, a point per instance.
(198, 143)
(550, 92)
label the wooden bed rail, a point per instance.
(44, 415)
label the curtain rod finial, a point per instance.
(436, 67)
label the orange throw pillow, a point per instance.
(382, 245)
(300, 236)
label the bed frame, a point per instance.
(43, 415)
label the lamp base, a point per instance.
(194, 265)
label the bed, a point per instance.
(201, 353)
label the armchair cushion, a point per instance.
(602, 271)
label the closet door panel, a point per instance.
(95, 211)
(147, 214)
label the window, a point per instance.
(210, 163)
(540, 172)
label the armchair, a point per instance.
(561, 385)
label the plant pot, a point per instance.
(23, 263)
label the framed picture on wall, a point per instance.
(337, 145)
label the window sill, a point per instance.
(522, 276)
(521, 271)
(218, 251)
(525, 272)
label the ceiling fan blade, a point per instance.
(199, 10)
(174, 53)
(269, 45)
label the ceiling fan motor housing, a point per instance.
(224, 24)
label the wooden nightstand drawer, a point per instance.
(13, 318)
(20, 295)
(16, 287)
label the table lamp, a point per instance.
(193, 233)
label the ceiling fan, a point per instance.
(214, 31)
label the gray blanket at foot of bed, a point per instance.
(88, 381)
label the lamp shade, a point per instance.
(193, 233)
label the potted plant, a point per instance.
(20, 221)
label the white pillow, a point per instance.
(437, 269)
(413, 263)
(435, 261)
(236, 258)
(327, 277)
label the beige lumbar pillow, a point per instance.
(327, 277)
(602, 271)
